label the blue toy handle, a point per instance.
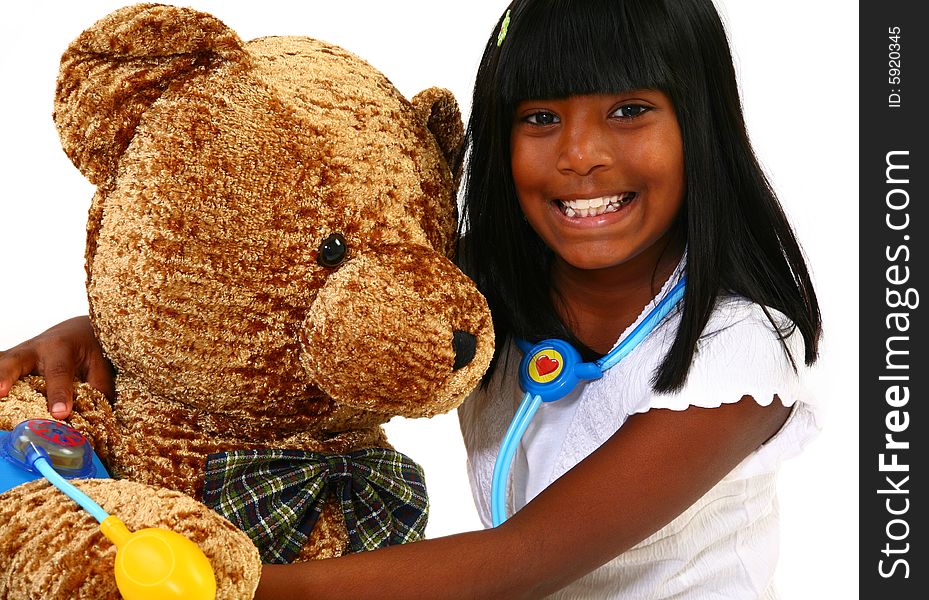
(67, 451)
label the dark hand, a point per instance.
(66, 350)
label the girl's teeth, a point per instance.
(595, 206)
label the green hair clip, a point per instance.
(503, 27)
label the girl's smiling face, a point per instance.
(599, 177)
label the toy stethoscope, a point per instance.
(151, 564)
(548, 371)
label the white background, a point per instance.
(797, 64)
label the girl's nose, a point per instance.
(583, 151)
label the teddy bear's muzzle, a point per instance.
(400, 330)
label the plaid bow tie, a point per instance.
(276, 496)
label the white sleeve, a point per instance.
(741, 355)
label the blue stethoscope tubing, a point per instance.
(527, 409)
(39, 459)
(531, 402)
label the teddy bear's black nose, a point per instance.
(465, 345)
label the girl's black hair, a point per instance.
(737, 235)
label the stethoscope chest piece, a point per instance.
(552, 368)
(549, 371)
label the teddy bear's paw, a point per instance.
(25, 401)
(51, 548)
(92, 414)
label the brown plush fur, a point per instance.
(65, 556)
(221, 167)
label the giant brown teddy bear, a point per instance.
(268, 269)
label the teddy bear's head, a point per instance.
(273, 226)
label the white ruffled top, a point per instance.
(725, 545)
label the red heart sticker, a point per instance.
(545, 365)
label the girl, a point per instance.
(608, 163)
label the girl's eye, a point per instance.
(631, 111)
(542, 118)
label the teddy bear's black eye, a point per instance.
(332, 251)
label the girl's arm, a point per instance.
(60, 353)
(658, 464)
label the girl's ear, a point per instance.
(122, 64)
(438, 108)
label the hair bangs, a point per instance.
(565, 48)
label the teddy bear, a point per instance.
(269, 269)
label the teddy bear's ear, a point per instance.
(439, 109)
(122, 64)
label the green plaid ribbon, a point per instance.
(276, 496)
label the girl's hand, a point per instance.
(66, 350)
